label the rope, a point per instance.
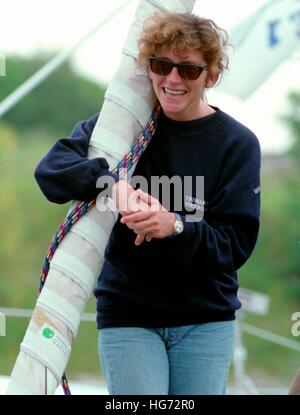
(83, 207)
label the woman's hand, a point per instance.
(126, 198)
(128, 201)
(151, 221)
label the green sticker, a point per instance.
(48, 333)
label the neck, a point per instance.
(205, 109)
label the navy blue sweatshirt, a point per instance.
(186, 279)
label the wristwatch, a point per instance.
(178, 225)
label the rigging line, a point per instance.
(46, 386)
(271, 337)
(24, 89)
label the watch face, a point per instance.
(179, 226)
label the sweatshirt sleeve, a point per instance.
(65, 173)
(226, 236)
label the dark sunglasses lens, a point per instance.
(160, 67)
(190, 72)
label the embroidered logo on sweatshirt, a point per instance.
(257, 190)
(192, 203)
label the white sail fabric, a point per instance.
(77, 262)
(261, 43)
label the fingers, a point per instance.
(136, 217)
(139, 239)
(144, 227)
(148, 238)
(154, 203)
(144, 196)
(142, 221)
(148, 198)
(138, 201)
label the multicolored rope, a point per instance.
(83, 207)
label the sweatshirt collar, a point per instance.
(196, 126)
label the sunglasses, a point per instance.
(187, 71)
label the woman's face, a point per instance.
(180, 99)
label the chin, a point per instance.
(176, 116)
(171, 109)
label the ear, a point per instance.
(211, 80)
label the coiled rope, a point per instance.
(83, 207)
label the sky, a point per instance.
(34, 26)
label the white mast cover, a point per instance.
(78, 260)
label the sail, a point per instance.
(261, 43)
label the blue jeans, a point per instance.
(185, 360)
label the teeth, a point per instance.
(174, 92)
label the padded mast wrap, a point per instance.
(77, 262)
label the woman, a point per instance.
(167, 294)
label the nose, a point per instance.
(174, 75)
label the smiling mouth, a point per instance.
(174, 92)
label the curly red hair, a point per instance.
(184, 31)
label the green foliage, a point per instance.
(292, 120)
(53, 106)
(27, 223)
(274, 269)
